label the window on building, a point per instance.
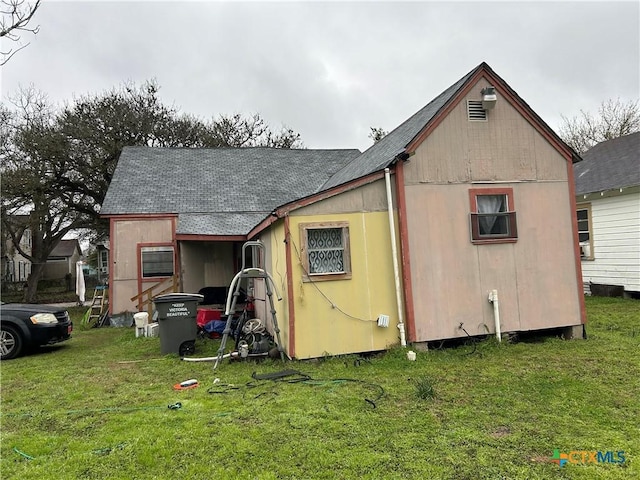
(103, 262)
(326, 254)
(157, 261)
(493, 216)
(585, 238)
(26, 238)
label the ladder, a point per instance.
(97, 313)
(234, 293)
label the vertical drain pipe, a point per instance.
(493, 298)
(394, 253)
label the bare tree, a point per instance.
(614, 119)
(15, 16)
(377, 133)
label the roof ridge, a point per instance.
(383, 152)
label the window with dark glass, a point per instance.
(585, 239)
(493, 218)
(157, 261)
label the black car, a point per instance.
(25, 326)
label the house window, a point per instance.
(493, 216)
(326, 254)
(103, 263)
(585, 238)
(157, 261)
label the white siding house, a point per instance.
(16, 267)
(608, 211)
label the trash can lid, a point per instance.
(178, 297)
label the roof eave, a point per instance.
(284, 210)
(484, 70)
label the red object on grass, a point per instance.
(205, 315)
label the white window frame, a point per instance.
(586, 246)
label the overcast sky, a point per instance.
(331, 70)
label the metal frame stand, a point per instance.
(234, 293)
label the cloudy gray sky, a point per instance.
(331, 70)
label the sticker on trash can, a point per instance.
(177, 310)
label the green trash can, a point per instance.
(177, 323)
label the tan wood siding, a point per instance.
(545, 262)
(129, 234)
(504, 148)
(535, 276)
(368, 198)
(444, 264)
(451, 278)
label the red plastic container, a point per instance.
(205, 315)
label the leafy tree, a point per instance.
(57, 165)
(15, 17)
(614, 119)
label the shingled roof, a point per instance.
(66, 248)
(384, 152)
(393, 145)
(611, 164)
(217, 191)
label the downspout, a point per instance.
(493, 298)
(394, 254)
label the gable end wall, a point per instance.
(451, 278)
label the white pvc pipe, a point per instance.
(394, 254)
(493, 298)
(211, 359)
(232, 288)
(226, 355)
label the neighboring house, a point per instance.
(608, 210)
(481, 201)
(15, 267)
(62, 260)
(102, 252)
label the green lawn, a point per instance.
(97, 408)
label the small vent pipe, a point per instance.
(493, 298)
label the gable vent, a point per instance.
(475, 111)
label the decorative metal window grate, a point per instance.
(326, 250)
(475, 111)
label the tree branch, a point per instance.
(14, 19)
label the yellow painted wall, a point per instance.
(351, 326)
(275, 264)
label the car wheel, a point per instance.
(10, 343)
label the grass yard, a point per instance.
(97, 408)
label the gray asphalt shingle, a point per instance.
(608, 165)
(382, 153)
(201, 184)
